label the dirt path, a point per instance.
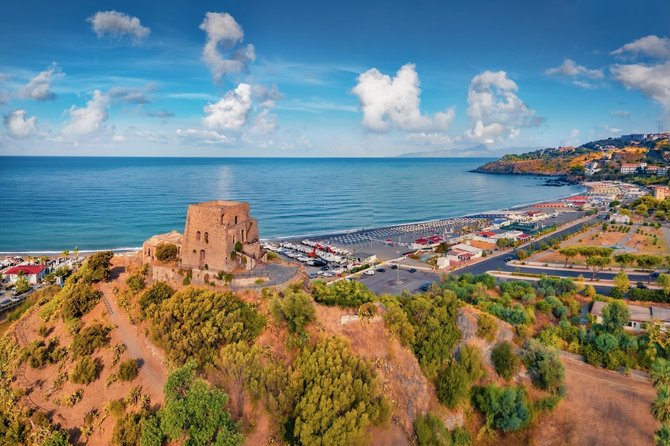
(139, 347)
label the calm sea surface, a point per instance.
(56, 203)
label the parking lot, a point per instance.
(396, 281)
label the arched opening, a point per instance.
(197, 236)
(223, 219)
(243, 239)
(201, 260)
(206, 237)
(236, 219)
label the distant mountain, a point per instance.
(480, 150)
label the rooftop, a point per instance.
(27, 269)
(219, 203)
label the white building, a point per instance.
(34, 273)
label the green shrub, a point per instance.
(430, 431)
(128, 429)
(470, 358)
(78, 298)
(544, 366)
(89, 339)
(343, 293)
(487, 327)
(155, 295)
(116, 407)
(505, 361)
(505, 408)
(397, 322)
(294, 308)
(195, 322)
(38, 353)
(452, 384)
(85, 371)
(128, 370)
(166, 252)
(136, 282)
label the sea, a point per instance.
(49, 204)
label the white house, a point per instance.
(34, 273)
(639, 315)
(620, 219)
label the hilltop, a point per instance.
(645, 158)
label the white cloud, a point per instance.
(231, 111)
(652, 80)
(117, 24)
(18, 125)
(495, 110)
(432, 139)
(653, 46)
(132, 95)
(89, 119)
(199, 136)
(394, 102)
(39, 87)
(224, 32)
(570, 68)
(164, 113)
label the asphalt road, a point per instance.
(398, 280)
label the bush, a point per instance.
(128, 370)
(397, 322)
(470, 358)
(343, 293)
(78, 298)
(367, 311)
(128, 429)
(430, 431)
(166, 252)
(136, 282)
(294, 308)
(544, 366)
(194, 323)
(452, 384)
(505, 408)
(487, 327)
(89, 339)
(96, 268)
(505, 361)
(116, 407)
(85, 371)
(155, 295)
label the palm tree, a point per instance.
(660, 408)
(66, 253)
(44, 260)
(660, 372)
(76, 251)
(662, 436)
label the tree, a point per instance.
(544, 366)
(136, 282)
(452, 384)
(195, 413)
(295, 308)
(660, 408)
(166, 252)
(343, 293)
(615, 316)
(660, 372)
(505, 361)
(22, 285)
(78, 298)
(241, 365)
(664, 281)
(155, 295)
(505, 408)
(334, 404)
(624, 260)
(597, 263)
(470, 358)
(568, 253)
(649, 262)
(621, 282)
(590, 291)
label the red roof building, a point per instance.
(26, 269)
(486, 234)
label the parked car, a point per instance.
(425, 287)
(655, 274)
(381, 270)
(412, 270)
(642, 286)
(370, 272)
(394, 266)
(313, 275)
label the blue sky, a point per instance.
(347, 78)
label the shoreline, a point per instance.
(128, 250)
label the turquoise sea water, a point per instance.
(56, 203)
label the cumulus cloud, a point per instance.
(496, 112)
(570, 68)
(653, 46)
(621, 114)
(39, 87)
(394, 102)
(89, 119)
(224, 33)
(117, 24)
(652, 80)
(164, 113)
(231, 111)
(132, 95)
(18, 125)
